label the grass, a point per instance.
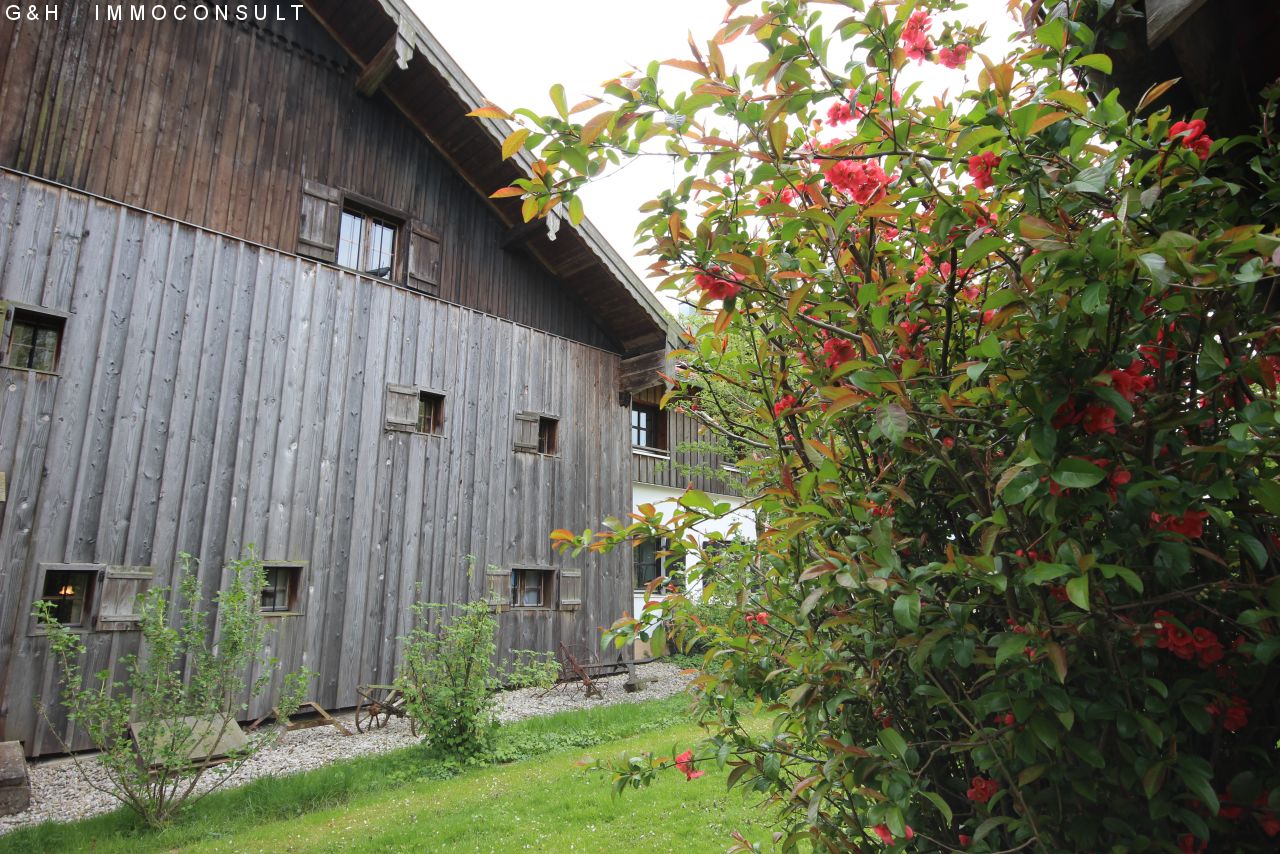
(407, 801)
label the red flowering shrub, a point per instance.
(1004, 387)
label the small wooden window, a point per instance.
(531, 587)
(648, 426)
(281, 587)
(34, 341)
(547, 435)
(430, 412)
(70, 592)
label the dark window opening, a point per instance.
(430, 412)
(35, 340)
(648, 426)
(547, 435)
(280, 592)
(70, 592)
(531, 588)
(367, 242)
(649, 561)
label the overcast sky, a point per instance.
(514, 50)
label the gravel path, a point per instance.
(60, 793)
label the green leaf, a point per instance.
(575, 210)
(1086, 751)
(906, 610)
(1128, 576)
(1268, 495)
(1075, 473)
(894, 743)
(1042, 572)
(1078, 592)
(558, 99)
(938, 801)
(1020, 488)
(1009, 647)
(1200, 786)
(1098, 61)
(893, 422)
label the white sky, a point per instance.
(514, 50)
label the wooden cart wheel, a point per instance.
(375, 707)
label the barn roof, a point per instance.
(399, 57)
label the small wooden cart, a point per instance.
(378, 704)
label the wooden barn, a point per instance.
(254, 292)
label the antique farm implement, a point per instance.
(378, 704)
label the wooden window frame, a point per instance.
(434, 401)
(532, 430)
(403, 409)
(656, 430)
(91, 574)
(546, 588)
(293, 590)
(370, 215)
(39, 317)
(548, 435)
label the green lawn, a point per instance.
(548, 802)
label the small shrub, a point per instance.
(531, 669)
(448, 680)
(167, 707)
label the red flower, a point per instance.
(1192, 134)
(954, 57)
(1209, 649)
(685, 763)
(839, 113)
(1120, 477)
(838, 350)
(1098, 418)
(1188, 844)
(1065, 414)
(964, 839)
(1130, 382)
(762, 619)
(1236, 717)
(786, 402)
(1059, 592)
(1189, 524)
(981, 167)
(1173, 637)
(915, 37)
(717, 285)
(982, 789)
(948, 442)
(864, 180)
(882, 831)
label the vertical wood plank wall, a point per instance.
(220, 124)
(213, 393)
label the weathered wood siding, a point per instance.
(219, 124)
(214, 394)
(684, 469)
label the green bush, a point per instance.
(177, 682)
(1004, 370)
(448, 680)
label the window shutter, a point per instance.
(570, 589)
(119, 605)
(402, 407)
(319, 221)
(424, 259)
(497, 588)
(526, 432)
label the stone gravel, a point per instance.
(60, 792)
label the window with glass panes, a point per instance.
(280, 590)
(647, 426)
(647, 561)
(69, 592)
(367, 242)
(34, 341)
(531, 588)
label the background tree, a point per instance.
(1007, 390)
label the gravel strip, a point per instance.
(60, 793)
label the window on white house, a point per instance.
(531, 588)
